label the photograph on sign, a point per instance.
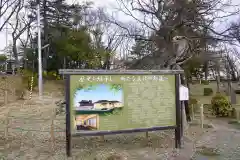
(99, 98)
(87, 122)
(119, 102)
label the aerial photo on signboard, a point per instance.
(99, 98)
(116, 102)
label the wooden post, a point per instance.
(237, 114)
(6, 125)
(101, 138)
(147, 135)
(52, 130)
(6, 92)
(201, 116)
(5, 97)
(193, 112)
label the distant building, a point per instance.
(107, 104)
(85, 105)
(115, 104)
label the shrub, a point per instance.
(192, 101)
(44, 74)
(207, 91)
(52, 75)
(195, 82)
(205, 82)
(27, 79)
(220, 105)
(20, 94)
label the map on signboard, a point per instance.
(117, 102)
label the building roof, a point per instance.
(114, 101)
(86, 103)
(105, 101)
(101, 101)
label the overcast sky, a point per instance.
(5, 37)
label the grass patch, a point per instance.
(205, 126)
(235, 123)
(208, 151)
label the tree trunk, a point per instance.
(107, 62)
(231, 68)
(45, 35)
(218, 79)
(206, 70)
(15, 54)
(218, 83)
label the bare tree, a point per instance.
(165, 22)
(21, 24)
(105, 35)
(235, 30)
(7, 10)
(159, 21)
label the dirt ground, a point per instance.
(29, 136)
(25, 141)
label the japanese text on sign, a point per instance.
(106, 78)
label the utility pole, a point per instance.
(40, 80)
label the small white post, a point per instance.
(201, 115)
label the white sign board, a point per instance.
(183, 93)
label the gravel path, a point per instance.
(223, 143)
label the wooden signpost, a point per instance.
(106, 102)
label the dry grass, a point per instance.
(11, 85)
(23, 144)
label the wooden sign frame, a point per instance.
(68, 72)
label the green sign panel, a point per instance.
(120, 102)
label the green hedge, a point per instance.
(220, 105)
(52, 75)
(192, 101)
(205, 82)
(207, 91)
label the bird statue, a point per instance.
(183, 52)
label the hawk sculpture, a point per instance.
(183, 52)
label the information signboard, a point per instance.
(101, 102)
